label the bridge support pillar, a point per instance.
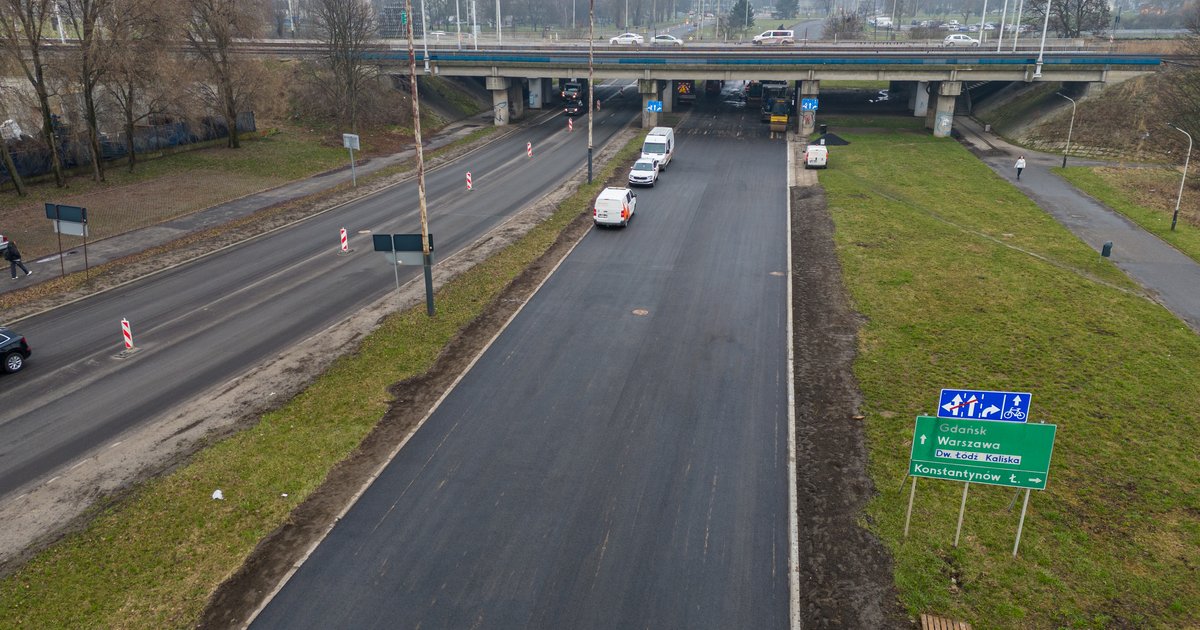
(668, 97)
(920, 101)
(806, 121)
(649, 91)
(516, 100)
(943, 116)
(539, 93)
(499, 89)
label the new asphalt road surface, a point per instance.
(618, 457)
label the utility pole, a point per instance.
(591, 82)
(458, 24)
(499, 33)
(416, 108)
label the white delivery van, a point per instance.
(816, 156)
(659, 146)
(614, 206)
(767, 38)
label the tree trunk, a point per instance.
(129, 135)
(48, 128)
(89, 102)
(12, 169)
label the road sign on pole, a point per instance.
(808, 104)
(654, 106)
(974, 404)
(980, 451)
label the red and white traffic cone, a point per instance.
(345, 241)
(529, 149)
(127, 333)
(570, 125)
(468, 180)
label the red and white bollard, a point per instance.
(570, 125)
(468, 180)
(127, 333)
(345, 241)
(529, 149)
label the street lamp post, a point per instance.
(499, 33)
(458, 24)
(1070, 128)
(982, 17)
(1037, 71)
(425, 35)
(1017, 24)
(1187, 158)
(591, 82)
(1000, 35)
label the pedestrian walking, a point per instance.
(1020, 166)
(13, 256)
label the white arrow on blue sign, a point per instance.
(808, 104)
(974, 404)
(654, 106)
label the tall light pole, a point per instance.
(1186, 159)
(591, 89)
(982, 17)
(499, 34)
(1017, 25)
(425, 34)
(458, 24)
(1070, 128)
(1003, 17)
(425, 249)
(475, 24)
(572, 16)
(1037, 71)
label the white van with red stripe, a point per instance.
(614, 206)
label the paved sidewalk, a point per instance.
(99, 252)
(1167, 274)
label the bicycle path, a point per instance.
(1172, 278)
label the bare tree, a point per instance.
(347, 28)
(140, 68)
(89, 63)
(211, 27)
(1072, 18)
(1181, 90)
(21, 25)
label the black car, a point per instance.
(13, 350)
(575, 108)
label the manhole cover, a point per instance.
(641, 312)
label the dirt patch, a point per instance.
(845, 571)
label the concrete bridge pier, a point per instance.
(806, 122)
(499, 87)
(920, 100)
(668, 97)
(516, 99)
(539, 93)
(941, 117)
(649, 91)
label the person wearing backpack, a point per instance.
(13, 256)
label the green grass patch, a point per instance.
(152, 560)
(1147, 197)
(963, 282)
(880, 121)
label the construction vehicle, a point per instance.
(772, 91)
(685, 91)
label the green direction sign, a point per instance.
(981, 451)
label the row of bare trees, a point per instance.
(96, 62)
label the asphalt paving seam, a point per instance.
(793, 498)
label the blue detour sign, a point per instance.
(654, 106)
(808, 104)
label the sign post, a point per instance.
(408, 249)
(70, 220)
(350, 141)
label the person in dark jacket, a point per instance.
(13, 256)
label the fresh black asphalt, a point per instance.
(618, 457)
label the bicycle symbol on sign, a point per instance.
(1014, 413)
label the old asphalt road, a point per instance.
(200, 324)
(618, 457)
(1171, 277)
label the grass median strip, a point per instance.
(964, 282)
(151, 560)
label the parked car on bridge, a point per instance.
(775, 37)
(626, 39)
(666, 40)
(959, 39)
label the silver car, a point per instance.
(643, 173)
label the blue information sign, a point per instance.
(808, 104)
(974, 404)
(654, 106)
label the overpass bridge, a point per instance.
(523, 76)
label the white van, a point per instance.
(614, 206)
(816, 156)
(775, 37)
(659, 146)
